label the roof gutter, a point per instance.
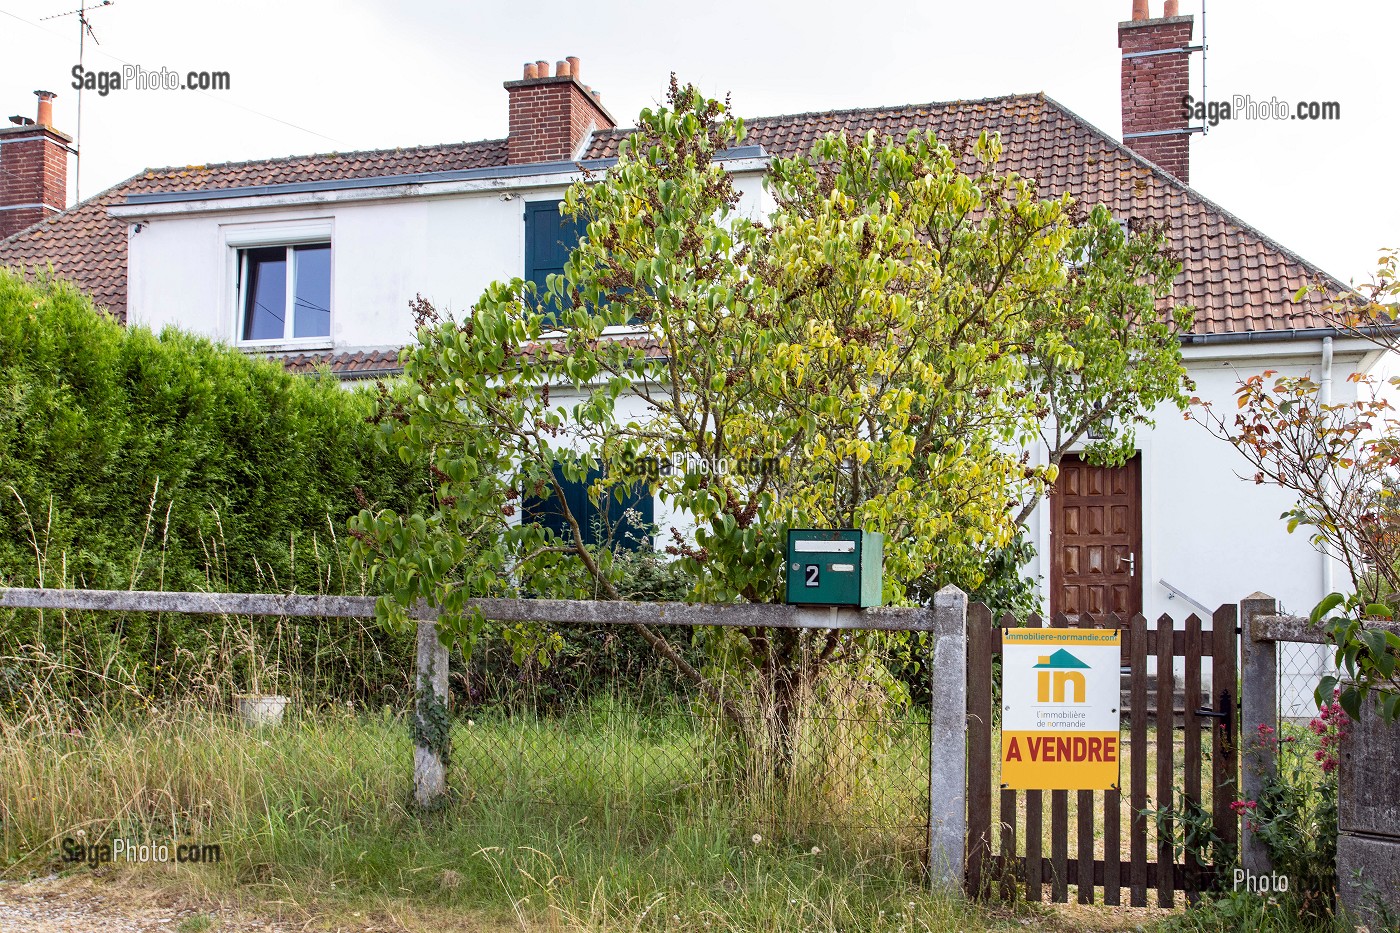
(1270, 336)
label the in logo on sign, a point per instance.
(1059, 671)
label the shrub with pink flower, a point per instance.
(1295, 814)
(1245, 809)
(1330, 725)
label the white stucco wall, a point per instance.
(182, 263)
(1208, 529)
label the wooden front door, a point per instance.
(1096, 539)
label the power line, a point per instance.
(266, 116)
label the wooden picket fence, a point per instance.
(1011, 856)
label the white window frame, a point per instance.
(288, 234)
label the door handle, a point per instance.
(1131, 561)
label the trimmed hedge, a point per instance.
(135, 460)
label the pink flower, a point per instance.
(1329, 766)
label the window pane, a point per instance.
(313, 291)
(265, 306)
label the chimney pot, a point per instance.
(1173, 8)
(550, 120)
(45, 115)
(1140, 10)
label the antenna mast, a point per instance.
(1205, 51)
(84, 30)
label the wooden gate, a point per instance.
(1008, 838)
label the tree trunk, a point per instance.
(784, 691)
(786, 699)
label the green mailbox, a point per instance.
(834, 567)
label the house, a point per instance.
(315, 258)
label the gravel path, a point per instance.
(105, 902)
(68, 905)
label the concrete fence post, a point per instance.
(947, 792)
(431, 723)
(1258, 707)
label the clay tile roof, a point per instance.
(1237, 278)
(362, 364)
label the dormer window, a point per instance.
(284, 293)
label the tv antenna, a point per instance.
(84, 31)
(1206, 88)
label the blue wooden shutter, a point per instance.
(549, 239)
(546, 512)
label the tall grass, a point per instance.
(320, 804)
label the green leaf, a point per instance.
(1329, 602)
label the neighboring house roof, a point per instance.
(1238, 279)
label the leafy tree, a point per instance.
(1103, 355)
(865, 347)
(1340, 459)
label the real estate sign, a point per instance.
(1059, 714)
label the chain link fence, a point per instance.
(205, 725)
(1300, 667)
(852, 763)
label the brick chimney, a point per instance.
(1156, 76)
(33, 169)
(551, 116)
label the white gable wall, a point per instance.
(1208, 529)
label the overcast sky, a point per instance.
(316, 76)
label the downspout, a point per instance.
(1324, 397)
